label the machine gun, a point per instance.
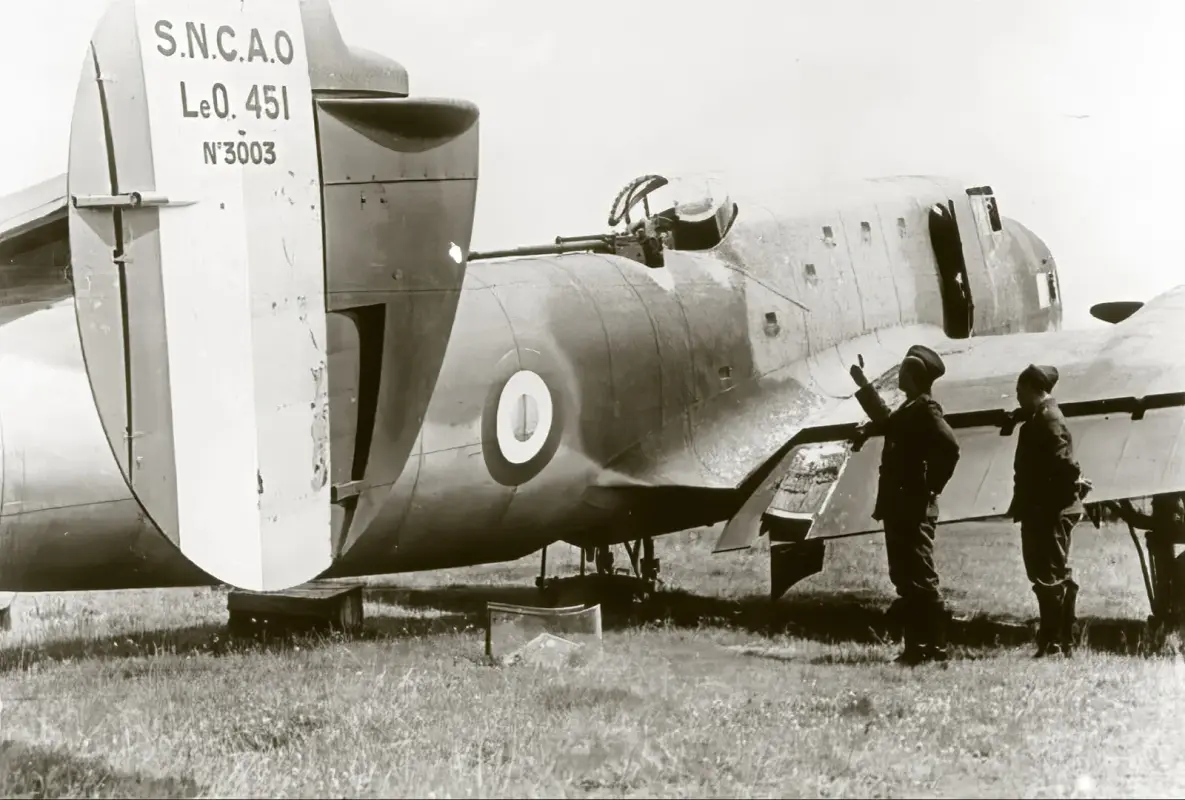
(643, 240)
(629, 245)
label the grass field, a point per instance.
(138, 694)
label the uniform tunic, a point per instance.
(1045, 496)
(919, 457)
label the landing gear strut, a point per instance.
(1164, 581)
(1163, 569)
(606, 584)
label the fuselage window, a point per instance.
(866, 232)
(1043, 290)
(771, 323)
(901, 231)
(828, 236)
(993, 214)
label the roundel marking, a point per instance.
(522, 424)
(525, 414)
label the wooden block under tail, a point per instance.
(309, 606)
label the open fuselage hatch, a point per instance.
(958, 309)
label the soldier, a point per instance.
(1047, 502)
(920, 454)
(1166, 534)
(651, 233)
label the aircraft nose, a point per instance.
(1041, 250)
(1043, 259)
(1036, 267)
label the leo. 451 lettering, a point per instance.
(262, 101)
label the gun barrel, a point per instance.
(575, 244)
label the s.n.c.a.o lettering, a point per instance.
(197, 40)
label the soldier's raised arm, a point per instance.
(869, 399)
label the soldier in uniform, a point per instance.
(919, 457)
(1165, 538)
(1047, 502)
(653, 233)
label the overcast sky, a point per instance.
(1068, 108)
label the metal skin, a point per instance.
(393, 272)
(656, 393)
(687, 376)
(1122, 390)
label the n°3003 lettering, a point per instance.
(241, 152)
(262, 101)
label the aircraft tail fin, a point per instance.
(240, 183)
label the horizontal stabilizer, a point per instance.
(25, 215)
(1127, 447)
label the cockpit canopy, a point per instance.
(692, 218)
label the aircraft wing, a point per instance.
(1121, 389)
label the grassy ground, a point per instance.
(139, 694)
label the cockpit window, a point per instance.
(695, 208)
(689, 214)
(704, 232)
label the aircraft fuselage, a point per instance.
(685, 375)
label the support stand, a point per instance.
(310, 606)
(610, 586)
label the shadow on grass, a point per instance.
(29, 771)
(854, 617)
(212, 640)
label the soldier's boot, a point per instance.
(938, 619)
(1068, 618)
(895, 616)
(914, 652)
(1049, 625)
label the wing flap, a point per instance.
(800, 454)
(1126, 448)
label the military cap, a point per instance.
(931, 362)
(1041, 378)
